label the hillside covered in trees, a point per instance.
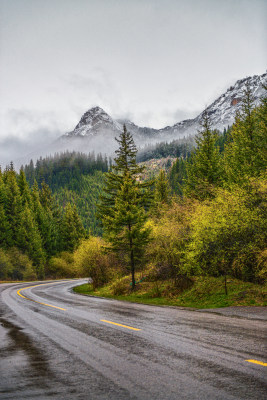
(33, 227)
(74, 178)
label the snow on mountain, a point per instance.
(96, 122)
(223, 110)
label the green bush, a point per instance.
(61, 266)
(91, 260)
(16, 265)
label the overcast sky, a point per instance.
(155, 62)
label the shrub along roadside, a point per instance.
(205, 292)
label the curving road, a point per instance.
(55, 344)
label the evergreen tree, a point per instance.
(24, 188)
(3, 193)
(204, 171)
(45, 196)
(13, 203)
(122, 208)
(49, 219)
(30, 241)
(72, 230)
(5, 229)
(246, 150)
(178, 175)
(162, 189)
(29, 171)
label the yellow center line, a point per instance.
(43, 304)
(124, 326)
(257, 362)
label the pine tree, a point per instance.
(5, 229)
(30, 241)
(49, 219)
(3, 194)
(24, 188)
(13, 204)
(246, 150)
(45, 196)
(178, 175)
(123, 204)
(162, 189)
(204, 170)
(72, 230)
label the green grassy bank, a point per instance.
(202, 292)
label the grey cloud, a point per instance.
(98, 88)
(24, 132)
(25, 123)
(23, 149)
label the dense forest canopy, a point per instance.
(177, 148)
(64, 169)
(33, 227)
(74, 178)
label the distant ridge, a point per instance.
(96, 130)
(222, 112)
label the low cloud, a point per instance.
(21, 150)
(98, 88)
(24, 132)
(159, 119)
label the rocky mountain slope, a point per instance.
(96, 123)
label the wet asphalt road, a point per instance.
(69, 353)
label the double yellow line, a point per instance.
(257, 362)
(44, 304)
(124, 326)
(64, 309)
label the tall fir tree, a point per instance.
(162, 189)
(24, 188)
(13, 203)
(30, 241)
(124, 203)
(72, 230)
(246, 149)
(204, 171)
(50, 219)
(6, 239)
(177, 175)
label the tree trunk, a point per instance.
(132, 269)
(132, 259)
(225, 285)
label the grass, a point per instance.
(206, 292)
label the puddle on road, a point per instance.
(23, 369)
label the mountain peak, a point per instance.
(92, 117)
(93, 121)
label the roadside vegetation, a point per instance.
(194, 236)
(203, 292)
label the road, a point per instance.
(55, 344)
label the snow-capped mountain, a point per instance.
(223, 110)
(96, 122)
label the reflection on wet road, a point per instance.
(55, 344)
